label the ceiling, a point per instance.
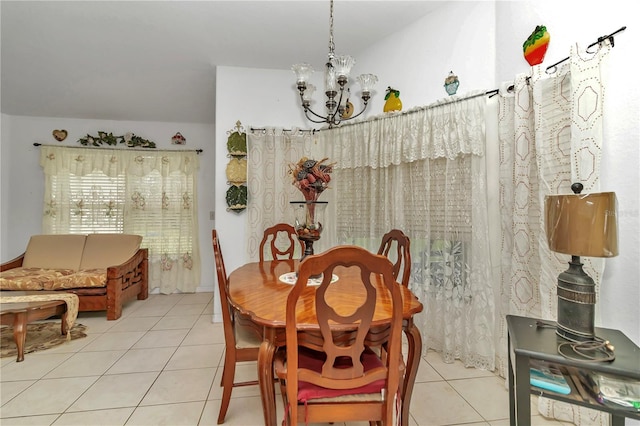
(155, 60)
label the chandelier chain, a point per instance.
(332, 46)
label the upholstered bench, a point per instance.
(104, 270)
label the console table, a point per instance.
(528, 341)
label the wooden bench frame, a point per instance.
(126, 281)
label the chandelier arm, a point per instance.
(324, 118)
(309, 110)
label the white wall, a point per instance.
(4, 192)
(23, 180)
(459, 37)
(257, 98)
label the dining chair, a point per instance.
(241, 344)
(282, 239)
(398, 240)
(332, 376)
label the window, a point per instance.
(149, 193)
(95, 203)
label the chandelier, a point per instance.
(336, 78)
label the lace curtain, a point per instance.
(269, 186)
(145, 192)
(423, 172)
(550, 136)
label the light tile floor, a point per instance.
(161, 363)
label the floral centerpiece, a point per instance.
(311, 177)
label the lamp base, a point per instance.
(576, 303)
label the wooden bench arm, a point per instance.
(13, 263)
(134, 262)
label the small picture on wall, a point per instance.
(178, 139)
(59, 135)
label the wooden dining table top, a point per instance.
(257, 291)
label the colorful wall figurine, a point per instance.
(535, 47)
(451, 83)
(178, 139)
(393, 102)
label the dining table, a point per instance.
(258, 294)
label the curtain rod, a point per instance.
(553, 68)
(197, 151)
(261, 129)
(410, 111)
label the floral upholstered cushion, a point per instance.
(82, 279)
(30, 278)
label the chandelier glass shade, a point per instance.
(336, 85)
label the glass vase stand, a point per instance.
(308, 219)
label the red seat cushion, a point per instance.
(313, 360)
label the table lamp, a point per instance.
(580, 225)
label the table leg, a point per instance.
(617, 420)
(64, 328)
(522, 390)
(20, 333)
(265, 380)
(512, 389)
(414, 340)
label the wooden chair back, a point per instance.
(240, 344)
(282, 239)
(223, 290)
(397, 246)
(343, 338)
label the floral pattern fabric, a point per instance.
(152, 193)
(90, 278)
(27, 279)
(51, 279)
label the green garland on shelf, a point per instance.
(105, 138)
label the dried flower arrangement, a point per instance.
(311, 177)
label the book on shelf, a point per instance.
(548, 377)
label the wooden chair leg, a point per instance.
(228, 374)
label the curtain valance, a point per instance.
(445, 129)
(113, 162)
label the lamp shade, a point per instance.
(582, 224)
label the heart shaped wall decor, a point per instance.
(59, 135)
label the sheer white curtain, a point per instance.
(145, 192)
(269, 186)
(424, 172)
(550, 136)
